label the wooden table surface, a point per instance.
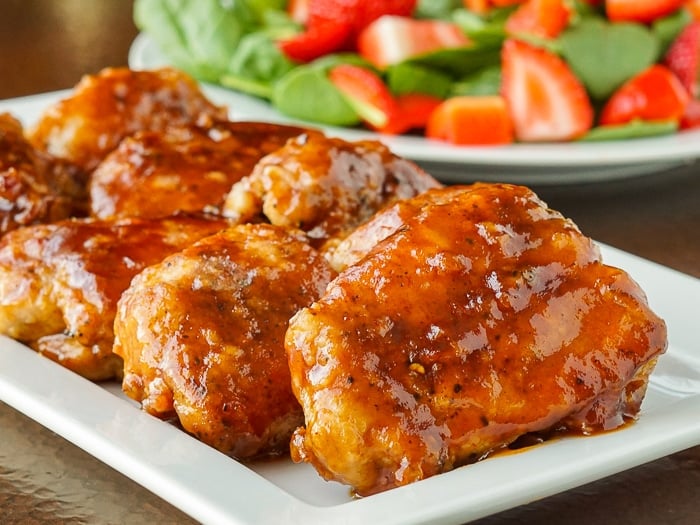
(48, 44)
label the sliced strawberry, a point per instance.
(392, 39)
(545, 99)
(484, 6)
(477, 6)
(360, 12)
(542, 18)
(374, 103)
(298, 11)
(683, 58)
(365, 92)
(413, 111)
(654, 94)
(643, 11)
(333, 25)
(691, 116)
(373, 10)
(482, 120)
(319, 40)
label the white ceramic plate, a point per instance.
(213, 488)
(543, 164)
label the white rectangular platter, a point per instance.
(213, 488)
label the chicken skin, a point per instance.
(34, 188)
(106, 107)
(60, 282)
(190, 169)
(477, 317)
(324, 186)
(202, 336)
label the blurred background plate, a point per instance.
(542, 164)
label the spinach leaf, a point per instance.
(199, 37)
(486, 81)
(436, 9)
(460, 61)
(583, 8)
(405, 78)
(260, 9)
(632, 130)
(328, 62)
(669, 27)
(256, 64)
(486, 30)
(605, 54)
(306, 93)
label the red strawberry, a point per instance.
(484, 6)
(371, 99)
(477, 6)
(643, 11)
(365, 92)
(654, 94)
(413, 111)
(318, 40)
(369, 10)
(691, 116)
(391, 39)
(545, 99)
(683, 58)
(298, 10)
(347, 17)
(543, 18)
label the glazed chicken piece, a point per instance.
(202, 336)
(115, 103)
(33, 187)
(60, 282)
(324, 186)
(380, 226)
(478, 317)
(190, 169)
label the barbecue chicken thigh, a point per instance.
(478, 316)
(190, 169)
(60, 282)
(202, 336)
(324, 186)
(106, 107)
(34, 188)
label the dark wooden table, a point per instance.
(48, 44)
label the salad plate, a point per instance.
(541, 164)
(213, 488)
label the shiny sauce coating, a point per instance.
(480, 317)
(106, 107)
(202, 336)
(184, 169)
(325, 186)
(60, 282)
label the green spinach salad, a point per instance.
(468, 72)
